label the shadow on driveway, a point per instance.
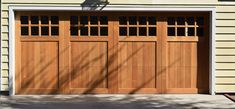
(117, 102)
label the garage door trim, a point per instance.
(12, 10)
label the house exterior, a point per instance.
(117, 46)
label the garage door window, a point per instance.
(185, 26)
(39, 26)
(88, 25)
(137, 26)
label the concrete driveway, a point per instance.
(169, 101)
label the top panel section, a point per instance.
(84, 2)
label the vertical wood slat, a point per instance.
(64, 55)
(113, 53)
(162, 54)
(17, 50)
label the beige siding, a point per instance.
(225, 73)
(5, 73)
(225, 34)
(225, 44)
(225, 52)
(225, 16)
(225, 22)
(225, 37)
(225, 59)
(221, 81)
(225, 88)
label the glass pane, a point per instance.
(84, 31)
(142, 31)
(200, 21)
(180, 31)
(94, 20)
(84, 20)
(123, 31)
(45, 30)
(200, 31)
(54, 20)
(180, 21)
(152, 20)
(34, 30)
(152, 31)
(74, 20)
(171, 21)
(191, 32)
(74, 31)
(122, 20)
(171, 31)
(132, 20)
(44, 20)
(103, 20)
(132, 31)
(24, 20)
(94, 31)
(104, 31)
(142, 20)
(54, 30)
(34, 19)
(190, 20)
(24, 30)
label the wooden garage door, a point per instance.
(111, 52)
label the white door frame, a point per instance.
(138, 8)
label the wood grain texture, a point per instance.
(137, 61)
(89, 65)
(39, 65)
(112, 64)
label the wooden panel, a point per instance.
(39, 65)
(88, 65)
(136, 65)
(182, 65)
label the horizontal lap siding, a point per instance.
(225, 49)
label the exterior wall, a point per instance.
(225, 33)
(225, 48)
